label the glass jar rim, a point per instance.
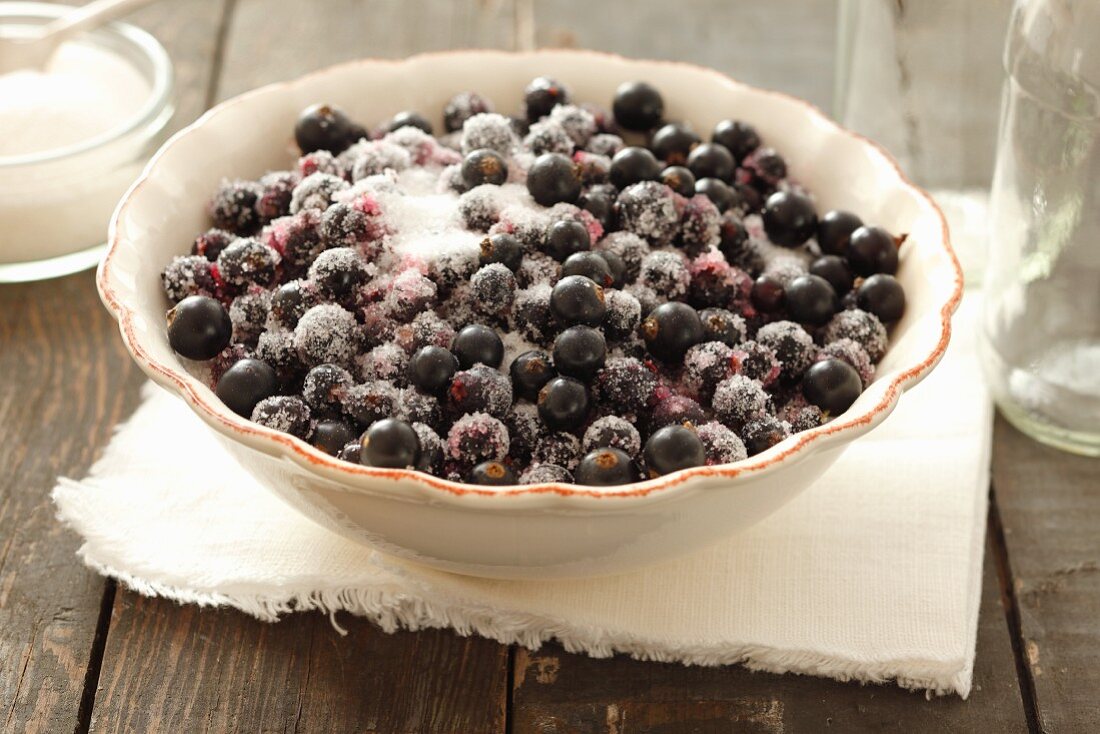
(131, 36)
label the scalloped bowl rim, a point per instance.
(841, 429)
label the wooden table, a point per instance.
(78, 653)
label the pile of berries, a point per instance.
(624, 299)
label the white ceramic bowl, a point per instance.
(542, 530)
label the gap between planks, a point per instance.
(1012, 614)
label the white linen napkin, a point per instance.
(873, 573)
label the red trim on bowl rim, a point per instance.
(304, 453)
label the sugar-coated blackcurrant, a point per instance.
(673, 142)
(542, 95)
(331, 436)
(565, 238)
(882, 295)
(563, 404)
(478, 343)
(638, 106)
(720, 325)
(740, 137)
(834, 229)
(681, 180)
(834, 269)
(579, 351)
(711, 160)
(484, 166)
(529, 372)
(592, 265)
(389, 444)
(673, 448)
(431, 369)
(789, 218)
(576, 299)
(810, 300)
(872, 250)
(632, 165)
(606, 467)
(199, 327)
(832, 385)
(553, 179)
(245, 384)
(501, 248)
(671, 329)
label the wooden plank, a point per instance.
(268, 44)
(555, 691)
(787, 45)
(170, 668)
(180, 668)
(66, 382)
(1049, 505)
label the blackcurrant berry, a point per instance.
(673, 448)
(529, 372)
(565, 238)
(409, 118)
(872, 250)
(832, 385)
(580, 351)
(484, 166)
(882, 295)
(199, 327)
(576, 299)
(721, 194)
(323, 127)
(501, 248)
(834, 229)
(553, 179)
(670, 330)
(811, 300)
(680, 180)
(834, 269)
(789, 218)
(478, 343)
(542, 95)
(331, 436)
(606, 467)
(740, 137)
(431, 369)
(492, 474)
(632, 165)
(563, 404)
(638, 106)
(673, 142)
(592, 265)
(245, 384)
(711, 160)
(389, 444)
(768, 294)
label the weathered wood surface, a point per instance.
(65, 381)
(178, 668)
(1049, 506)
(555, 691)
(151, 665)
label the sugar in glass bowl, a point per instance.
(73, 136)
(543, 530)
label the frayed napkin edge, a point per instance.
(392, 609)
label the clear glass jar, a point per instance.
(55, 205)
(1040, 341)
